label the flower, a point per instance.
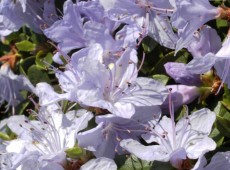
(117, 91)
(205, 41)
(220, 61)
(175, 143)
(180, 95)
(221, 160)
(151, 16)
(112, 129)
(179, 73)
(189, 16)
(11, 86)
(83, 25)
(44, 141)
(35, 14)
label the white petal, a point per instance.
(199, 148)
(202, 120)
(99, 164)
(148, 153)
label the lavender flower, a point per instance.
(112, 129)
(44, 142)
(175, 143)
(15, 14)
(11, 86)
(180, 95)
(220, 61)
(151, 16)
(221, 160)
(118, 90)
(179, 73)
(189, 16)
(205, 41)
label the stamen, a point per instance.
(171, 111)
(142, 62)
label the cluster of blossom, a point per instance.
(97, 45)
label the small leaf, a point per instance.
(182, 57)
(43, 59)
(36, 75)
(162, 166)
(217, 137)
(161, 78)
(74, 152)
(226, 97)
(4, 136)
(134, 163)
(25, 46)
(224, 112)
(148, 44)
(221, 23)
(25, 64)
(223, 125)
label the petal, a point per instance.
(196, 149)
(202, 120)
(148, 153)
(99, 164)
(221, 160)
(201, 65)
(161, 30)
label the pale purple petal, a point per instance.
(101, 163)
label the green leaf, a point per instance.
(161, 78)
(37, 75)
(133, 163)
(162, 166)
(223, 125)
(4, 136)
(12, 37)
(74, 152)
(43, 59)
(181, 57)
(217, 136)
(148, 44)
(226, 97)
(181, 113)
(223, 112)
(11, 134)
(20, 109)
(221, 23)
(25, 64)
(25, 46)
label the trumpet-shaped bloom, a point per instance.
(112, 129)
(220, 61)
(189, 16)
(151, 16)
(118, 90)
(181, 95)
(85, 24)
(35, 14)
(45, 140)
(205, 41)
(179, 73)
(176, 142)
